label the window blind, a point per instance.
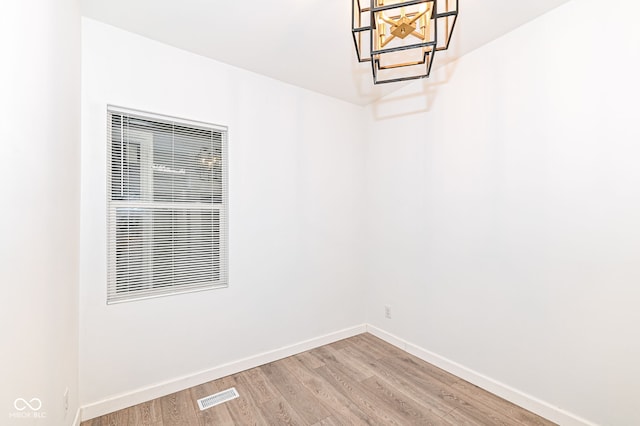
(167, 206)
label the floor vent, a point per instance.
(218, 398)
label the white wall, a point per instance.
(296, 189)
(39, 230)
(504, 221)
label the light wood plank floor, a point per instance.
(356, 381)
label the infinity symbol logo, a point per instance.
(22, 404)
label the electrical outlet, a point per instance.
(387, 312)
(65, 399)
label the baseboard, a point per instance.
(76, 419)
(535, 405)
(138, 396)
(528, 402)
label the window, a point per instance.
(167, 206)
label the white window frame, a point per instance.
(146, 182)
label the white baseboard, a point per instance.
(528, 402)
(535, 405)
(76, 419)
(138, 396)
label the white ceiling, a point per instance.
(306, 43)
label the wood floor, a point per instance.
(356, 381)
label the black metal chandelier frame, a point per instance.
(429, 48)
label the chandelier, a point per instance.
(400, 38)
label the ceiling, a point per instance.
(306, 43)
